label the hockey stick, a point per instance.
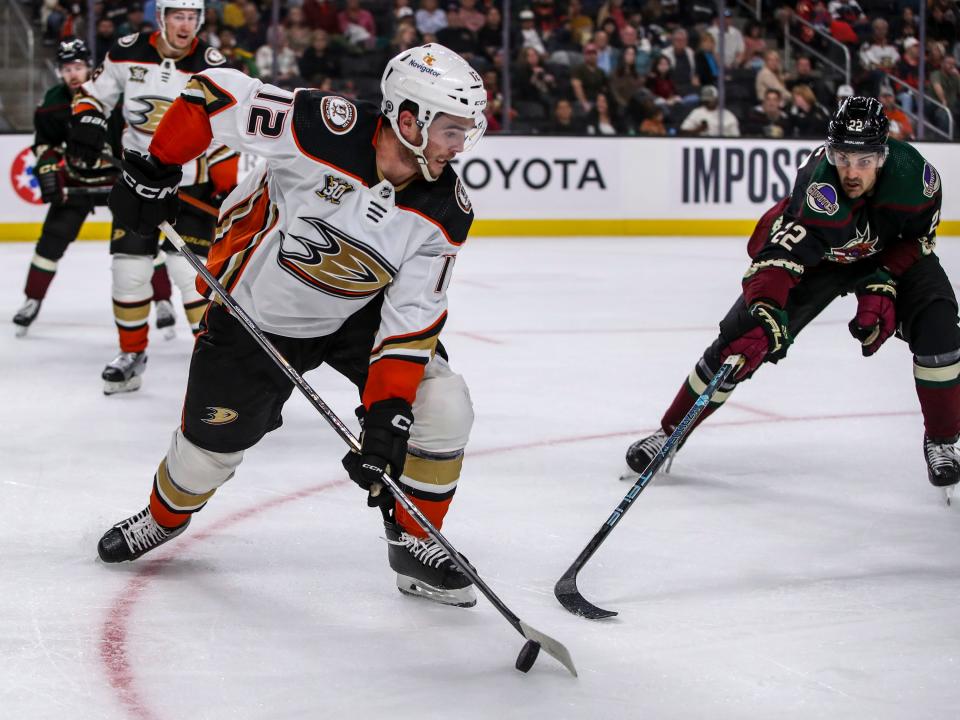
(566, 587)
(535, 638)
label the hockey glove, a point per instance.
(50, 177)
(768, 340)
(876, 317)
(88, 135)
(146, 193)
(383, 446)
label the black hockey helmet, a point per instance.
(73, 50)
(859, 125)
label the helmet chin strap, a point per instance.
(416, 150)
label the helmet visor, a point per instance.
(857, 159)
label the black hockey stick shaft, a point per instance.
(566, 588)
(553, 647)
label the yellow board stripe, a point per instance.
(30, 231)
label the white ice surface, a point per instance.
(796, 563)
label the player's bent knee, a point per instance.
(442, 413)
(184, 276)
(131, 276)
(196, 470)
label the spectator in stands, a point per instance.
(458, 38)
(879, 55)
(942, 24)
(606, 54)
(286, 60)
(708, 70)
(587, 79)
(660, 84)
(653, 124)
(579, 24)
(532, 83)
(106, 34)
(808, 118)
(493, 112)
(232, 15)
(704, 120)
(900, 126)
(908, 71)
(253, 34)
(322, 14)
(625, 80)
(564, 122)
(357, 25)
(299, 34)
(471, 17)
(134, 21)
(490, 37)
(237, 57)
(804, 74)
(842, 25)
(630, 37)
(733, 44)
(320, 60)
(843, 92)
(770, 76)
(682, 65)
(604, 118)
(529, 34)
(612, 9)
(945, 83)
(754, 45)
(430, 18)
(403, 39)
(768, 119)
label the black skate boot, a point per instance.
(424, 569)
(943, 464)
(26, 315)
(122, 374)
(165, 319)
(642, 452)
(131, 538)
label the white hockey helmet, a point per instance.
(438, 81)
(164, 5)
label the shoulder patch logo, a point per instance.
(128, 40)
(220, 416)
(138, 73)
(931, 180)
(463, 200)
(214, 56)
(334, 189)
(339, 114)
(822, 198)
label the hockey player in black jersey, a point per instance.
(340, 247)
(862, 219)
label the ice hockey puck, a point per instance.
(528, 655)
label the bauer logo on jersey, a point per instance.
(332, 262)
(931, 180)
(138, 73)
(146, 118)
(463, 200)
(220, 416)
(334, 189)
(339, 114)
(822, 198)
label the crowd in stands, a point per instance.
(600, 67)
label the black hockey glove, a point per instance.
(876, 318)
(88, 135)
(50, 177)
(146, 193)
(383, 446)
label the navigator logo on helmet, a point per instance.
(437, 81)
(164, 5)
(860, 126)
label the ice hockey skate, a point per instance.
(166, 319)
(122, 374)
(642, 452)
(131, 538)
(943, 465)
(424, 569)
(26, 315)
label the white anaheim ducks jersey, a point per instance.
(314, 234)
(148, 83)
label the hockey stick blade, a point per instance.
(566, 590)
(552, 647)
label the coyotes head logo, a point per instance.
(861, 246)
(334, 263)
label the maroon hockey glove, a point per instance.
(146, 193)
(769, 340)
(383, 444)
(876, 317)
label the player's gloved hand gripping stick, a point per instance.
(535, 638)
(566, 587)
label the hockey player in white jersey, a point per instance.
(150, 72)
(341, 248)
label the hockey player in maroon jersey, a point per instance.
(149, 72)
(862, 219)
(340, 246)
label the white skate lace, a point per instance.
(142, 532)
(651, 445)
(428, 552)
(29, 308)
(942, 455)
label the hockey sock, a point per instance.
(160, 282)
(691, 389)
(195, 311)
(171, 505)
(131, 319)
(937, 379)
(39, 277)
(430, 482)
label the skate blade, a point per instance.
(112, 388)
(948, 493)
(462, 597)
(21, 330)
